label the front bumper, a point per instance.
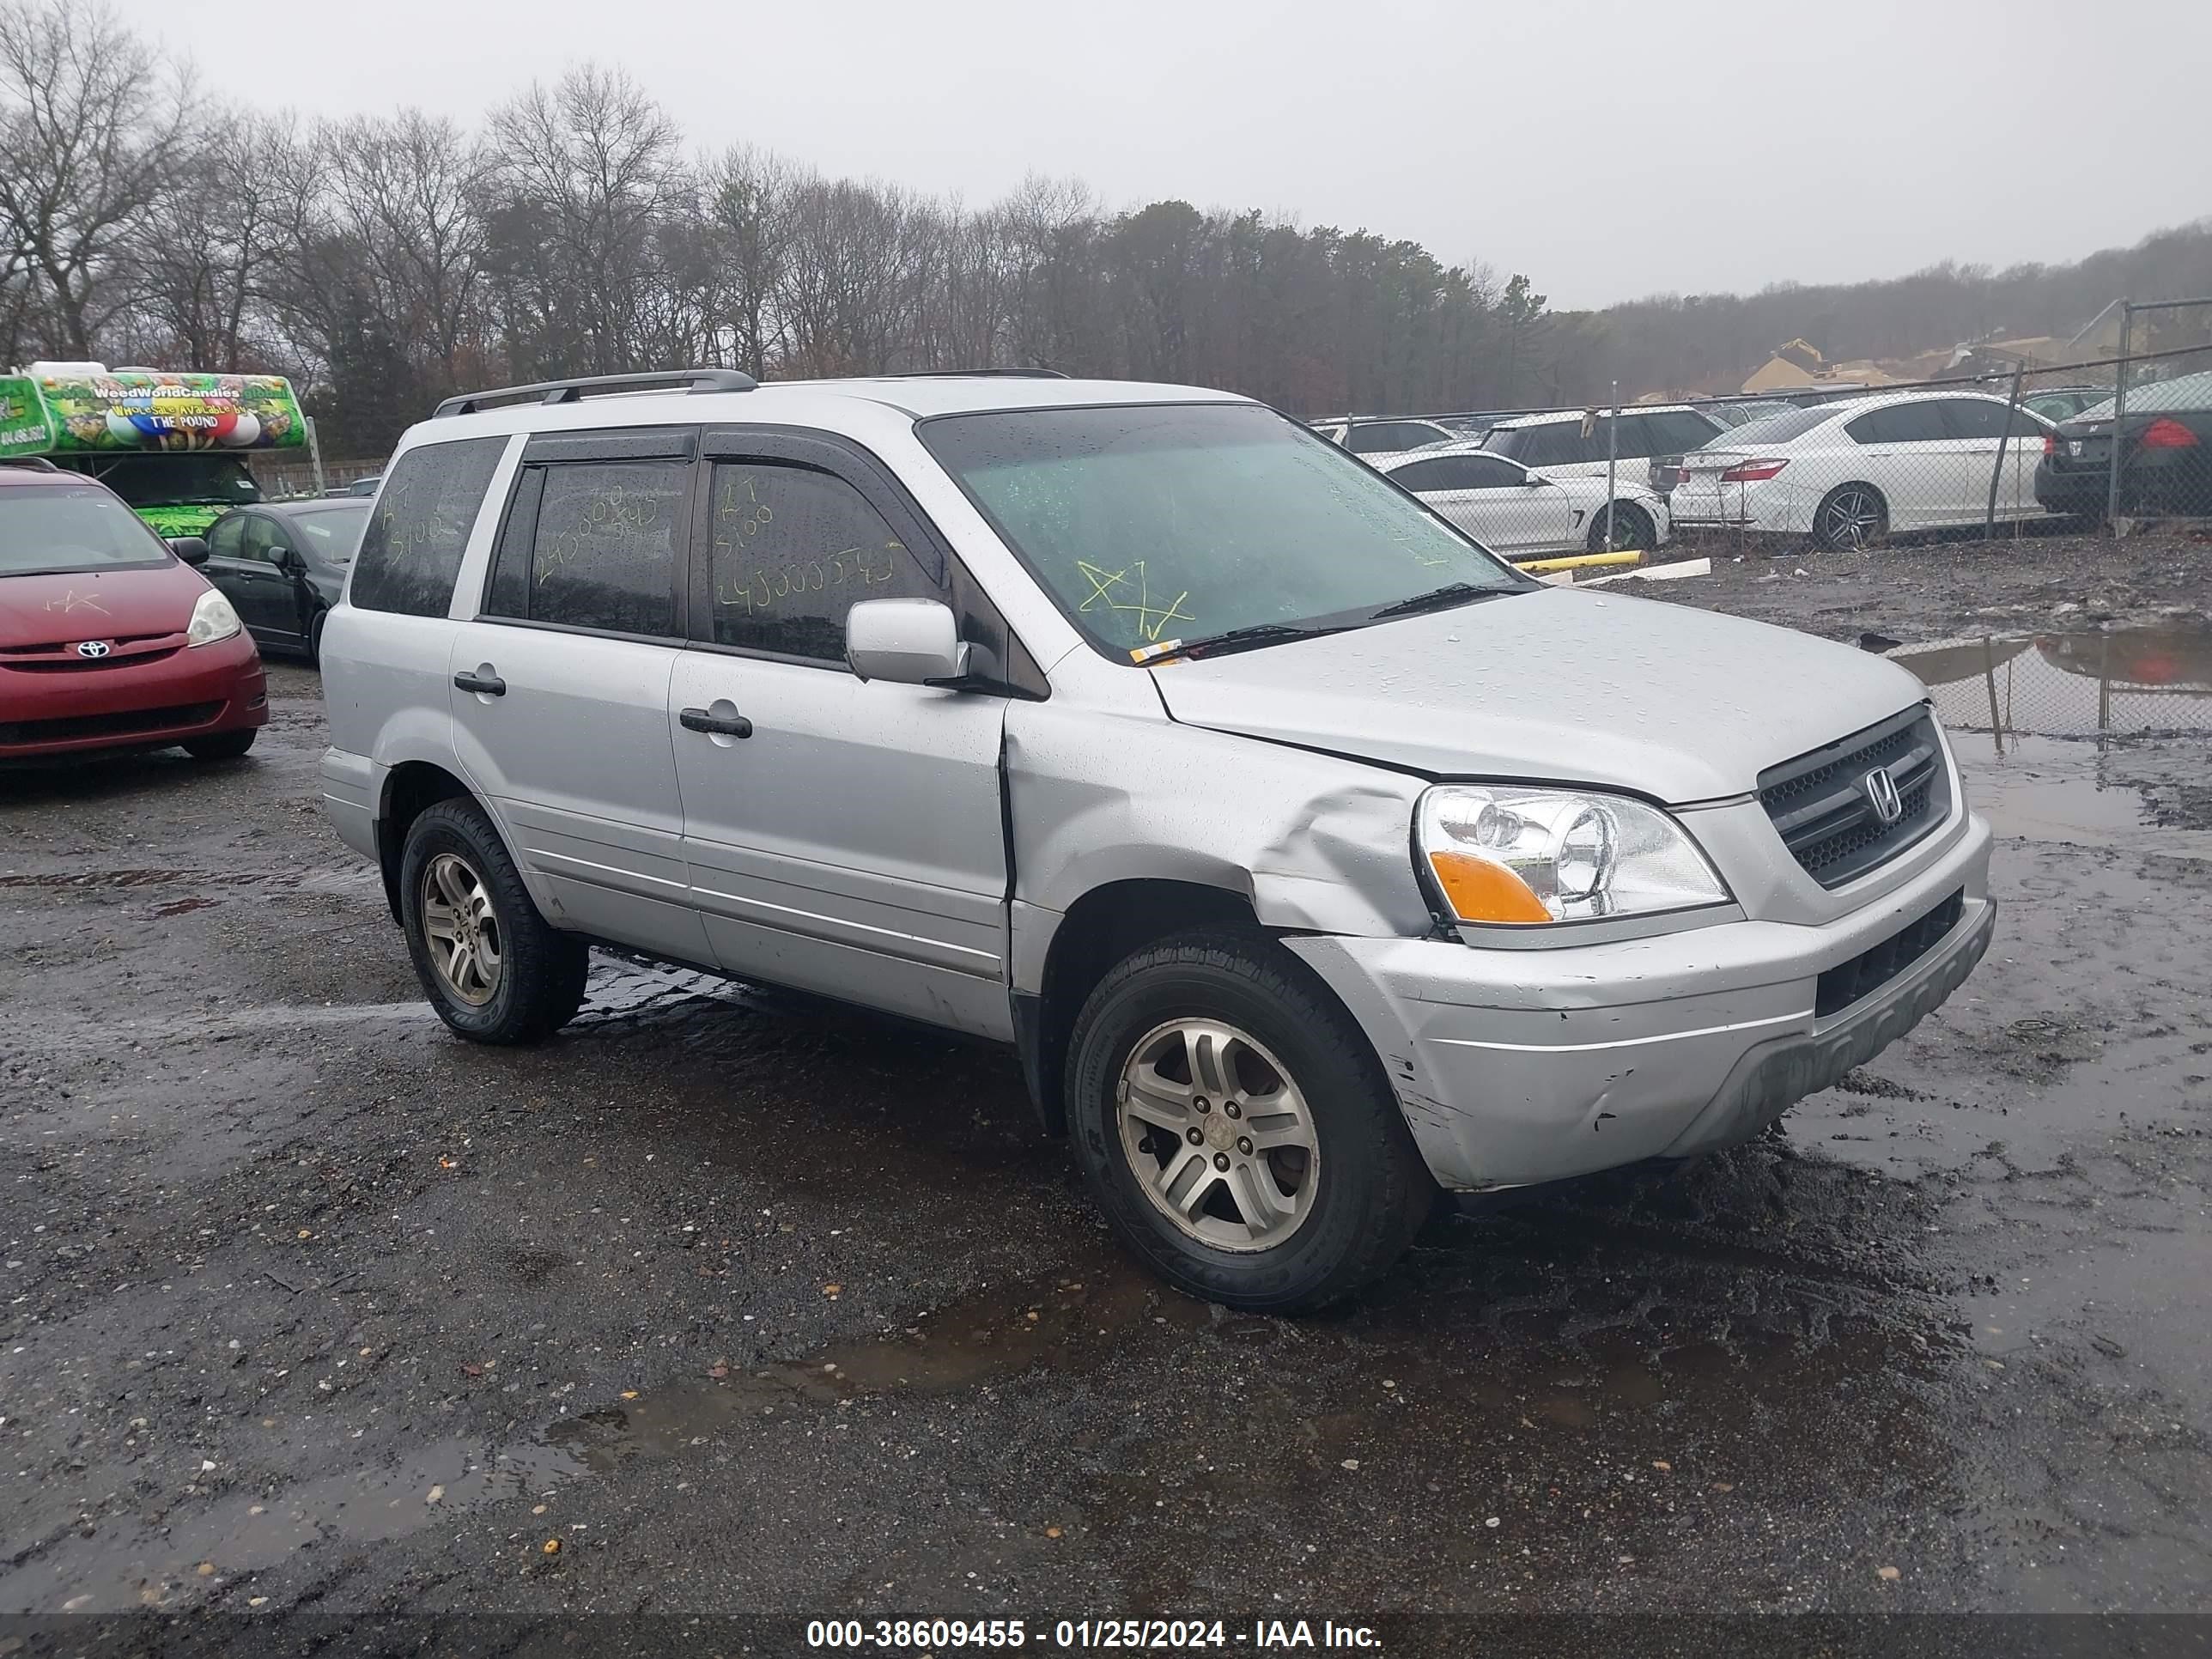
(1515, 1066)
(193, 691)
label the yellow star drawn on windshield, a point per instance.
(73, 601)
(1152, 617)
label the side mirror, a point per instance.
(907, 642)
(288, 560)
(1534, 481)
(193, 550)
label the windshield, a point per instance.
(2188, 392)
(71, 526)
(173, 480)
(334, 532)
(1177, 522)
(1777, 428)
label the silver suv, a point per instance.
(1312, 857)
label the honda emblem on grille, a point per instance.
(1882, 795)
(93, 647)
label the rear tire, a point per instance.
(224, 745)
(1632, 529)
(1292, 1097)
(488, 961)
(1851, 517)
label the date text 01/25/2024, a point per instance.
(937, 1635)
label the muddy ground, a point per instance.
(730, 1303)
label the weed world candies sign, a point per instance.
(148, 409)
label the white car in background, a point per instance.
(1522, 514)
(1373, 434)
(1849, 473)
(1577, 443)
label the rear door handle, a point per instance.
(721, 725)
(490, 684)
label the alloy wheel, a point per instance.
(461, 928)
(1854, 519)
(1218, 1134)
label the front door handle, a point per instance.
(720, 725)
(483, 680)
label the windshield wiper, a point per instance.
(1248, 638)
(1439, 598)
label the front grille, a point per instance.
(129, 723)
(1869, 970)
(1821, 806)
(61, 656)
(74, 663)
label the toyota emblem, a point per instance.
(93, 647)
(1882, 795)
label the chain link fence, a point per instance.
(2122, 440)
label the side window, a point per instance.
(1901, 423)
(1485, 473)
(1973, 417)
(224, 539)
(261, 538)
(599, 552)
(411, 551)
(1461, 472)
(1640, 437)
(1387, 438)
(1426, 475)
(1560, 443)
(794, 550)
(1680, 431)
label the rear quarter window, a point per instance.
(410, 552)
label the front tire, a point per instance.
(487, 960)
(1236, 1128)
(1851, 517)
(1632, 529)
(224, 745)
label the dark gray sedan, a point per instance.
(283, 565)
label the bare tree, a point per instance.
(91, 135)
(586, 170)
(746, 194)
(199, 263)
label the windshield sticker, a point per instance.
(1111, 590)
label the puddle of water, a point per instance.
(2011, 702)
(2116, 682)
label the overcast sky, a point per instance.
(1609, 150)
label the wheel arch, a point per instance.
(410, 789)
(1104, 924)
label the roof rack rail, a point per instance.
(575, 391)
(31, 463)
(966, 373)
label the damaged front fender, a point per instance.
(1316, 843)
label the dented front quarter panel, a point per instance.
(1104, 787)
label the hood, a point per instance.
(1660, 699)
(98, 605)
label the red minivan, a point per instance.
(108, 640)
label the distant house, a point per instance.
(1797, 365)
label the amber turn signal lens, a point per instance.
(1478, 890)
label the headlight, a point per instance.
(1503, 854)
(212, 619)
